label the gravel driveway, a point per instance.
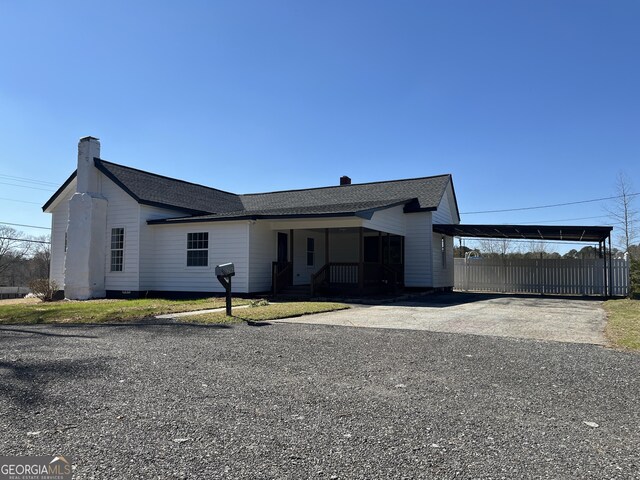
(315, 401)
(561, 319)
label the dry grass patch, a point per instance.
(19, 301)
(273, 311)
(99, 311)
(623, 323)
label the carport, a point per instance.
(568, 233)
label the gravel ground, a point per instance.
(316, 401)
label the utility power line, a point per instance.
(20, 201)
(564, 220)
(27, 180)
(24, 240)
(27, 186)
(22, 225)
(549, 206)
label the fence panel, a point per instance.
(554, 276)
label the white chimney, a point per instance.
(88, 149)
(84, 266)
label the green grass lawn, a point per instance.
(267, 312)
(98, 311)
(623, 325)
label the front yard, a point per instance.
(622, 330)
(272, 311)
(100, 311)
(623, 323)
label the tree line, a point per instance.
(23, 258)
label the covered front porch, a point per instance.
(337, 260)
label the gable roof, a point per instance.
(158, 190)
(201, 203)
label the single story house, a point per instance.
(118, 231)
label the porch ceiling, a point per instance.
(534, 232)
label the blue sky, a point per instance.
(525, 103)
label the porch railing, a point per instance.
(281, 276)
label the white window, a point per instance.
(311, 252)
(117, 249)
(198, 249)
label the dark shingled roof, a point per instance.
(207, 204)
(360, 209)
(151, 189)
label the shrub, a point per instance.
(44, 289)
(259, 303)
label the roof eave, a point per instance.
(169, 221)
(58, 192)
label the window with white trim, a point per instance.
(198, 249)
(311, 252)
(117, 249)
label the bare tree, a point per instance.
(495, 246)
(623, 213)
(41, 257)
(13, 248)
(538, 249)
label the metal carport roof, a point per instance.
(534, 232)
(569, 233)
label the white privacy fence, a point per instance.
(566, 276)
(13, 292)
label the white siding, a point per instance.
(228, 242)
(122, 211)
(147, 247)
(262, 254)
(390, 220)
(446, 209)
(443, 277)
(442, 274)
(418, 254)
(59, 221)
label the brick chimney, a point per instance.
(344, 180)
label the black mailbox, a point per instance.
(224, 272)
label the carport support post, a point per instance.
(610, 269)
(604, 258)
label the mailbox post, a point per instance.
(224, 272)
